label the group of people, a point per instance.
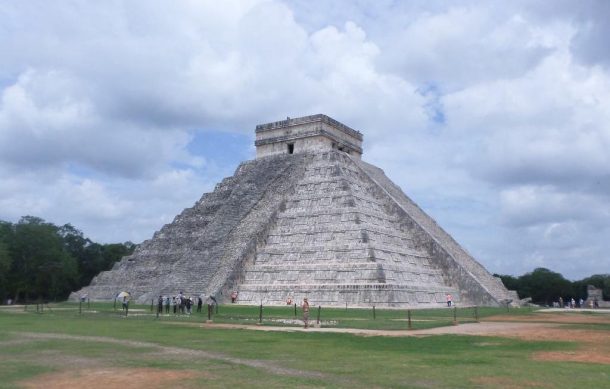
(178, 304)
(183, 304)
(571, 303)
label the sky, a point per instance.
(493, 116)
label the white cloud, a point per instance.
(493, 118)
(464, 45)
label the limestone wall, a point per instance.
(317, 133)
(308, 144)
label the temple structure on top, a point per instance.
(306, 218)
(315, 133)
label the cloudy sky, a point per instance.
(493, 116)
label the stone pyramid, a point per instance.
(306, 218)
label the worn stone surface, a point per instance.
(319, 223)
(307, 134)
(595, 295)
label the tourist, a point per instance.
(449, 300)
(561, 302)
(305, 312)
(167, 302)
(126, 305)
(160, 306)
(572, 303)
(181, 302)
(174, 303)
(289, 301)
(187, 304)
(233, 296)
(199, 304)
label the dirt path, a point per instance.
(124, 378)
(483, 328)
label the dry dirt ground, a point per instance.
(594, 348)
(124, 378)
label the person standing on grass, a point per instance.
(126, 305)
(449, 300)
(187, 303)
(181, 302)
(160, 306)
(167, 300)
(199, 304)
(305, 312)
(174, 303)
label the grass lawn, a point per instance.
(101, 348)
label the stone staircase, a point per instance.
(197, 252)
(336, 243)
(456, 259)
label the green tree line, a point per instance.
(545, 286)
(42, 261)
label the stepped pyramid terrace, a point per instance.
(306, 218)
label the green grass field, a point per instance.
(64, 347)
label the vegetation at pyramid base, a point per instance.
(545, 286)
(39, 260)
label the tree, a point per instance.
(601, 281)
(5, 266)
(41, 260)
(86, 253)
(545, 286)
(42, 267)
(113, 252)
